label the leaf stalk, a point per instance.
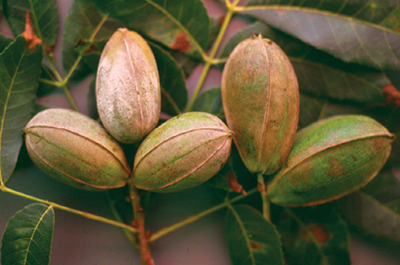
(210, 59)
(262, 188)
(87, 215)
(191, 219)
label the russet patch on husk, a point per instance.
(128, 90)
(182, 153)
(329, 159)
(260, 97)
(75, 150)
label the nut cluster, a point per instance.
(182, 153)
(260, 96)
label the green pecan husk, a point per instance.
(182, 153)
(128, 89)
(329, 159)
(75, 150)
(260, 96)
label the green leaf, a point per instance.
(20, 69)
(314, 235)
(43, 13)
(247, 179)
(251, 239)
(181, 25)
(210, 101)
(387, 115)
(321, 80)
(375, 208)
(187, 63)
(385, 188)
(84, 23)
(226, 179)
(28, 235)
(91, 53)
(378, 11)
(313, 109)
(343, 30)
(322, 75)
(220, 180)
(174, 94)
(45, 88)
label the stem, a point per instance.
(200, 83)
(50, 82)
(142, 237)
(69, 97)
(265, 201)
(210, 59)
(72, 69)
(131, 229)
(233, 5)
(76, 63)
(62, 82)
(191, 219)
